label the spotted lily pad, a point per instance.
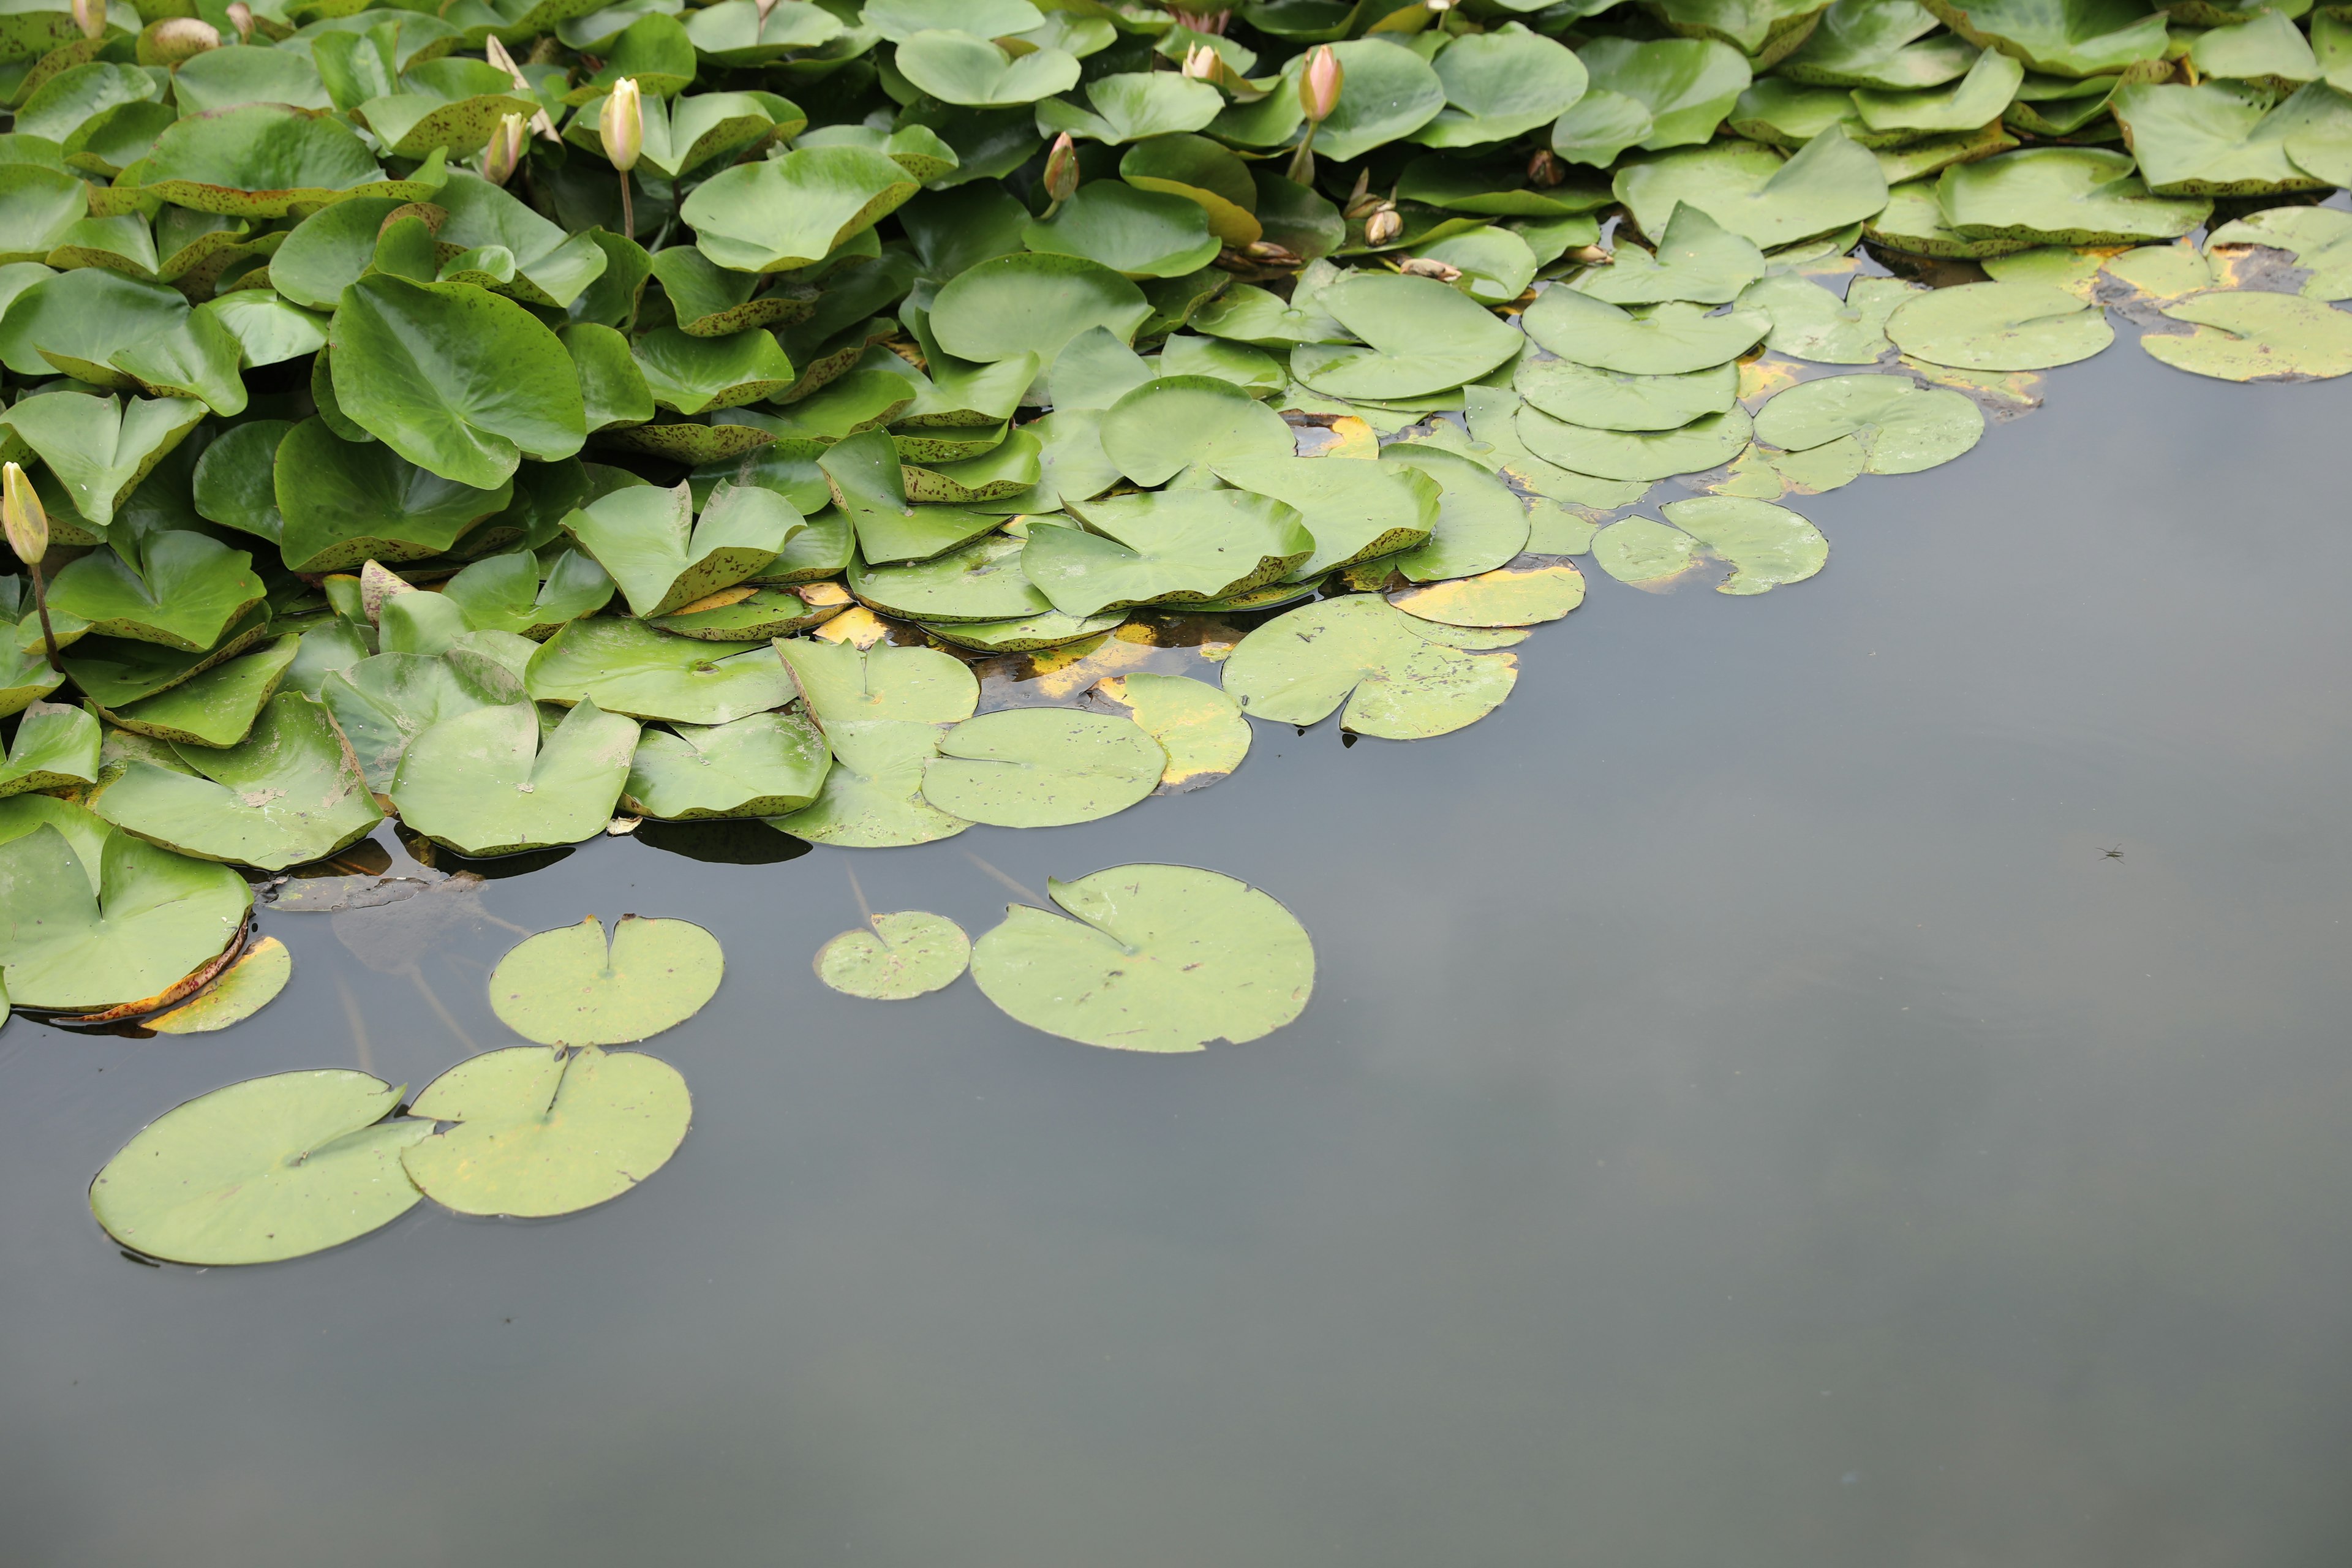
(1041, 767)
(2256, 337)
(569, 986)
(905, 955)
(873, 794)
(1165, 546)
(2061, 196)
(538, 1132)
(627, 667)
(641, 537)
(1170, 423)
(841, 683)
(1398, 680)
(55, 748)
(1199, 727)
(243, 989)
(1753, 192)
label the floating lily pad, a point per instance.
(1897, 425)
(1643, 550)
(981, 580)
(2061, 195)
(1397, 682)
(2063, 37)
(1137, 233)
(1878, 43)
(539, 1133)
(91, 925)
(569, 986)
(262, 1171)
(1355, 511)
(55, 748)
(1014, 305)
(2256, 337)
(905, 955)
(1199, 728)
(1041, 767)
(1695, 260)
(1684, 86)
(1166, 546)
(1611, 400)
(1515, 595)
(1753, 192)
(782, 214)
(627, 667)
(844, 684)
(641, 536)
(1422, 337)
(1998, 326)
(1176, 422)
(1132, 106)
(873, 796)
(1809, 322)
(186, 593)
(1767, 545)
(2229, 139)
(100, 449)
(508, 594)
(2318, 239)
(1157, 958)
(483, 782)
(763, 765)
(1673, 340)
(1499, 85)
(1480, 523)
(1703, 444)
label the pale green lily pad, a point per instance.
(1900, 426)
(483, 782)
(1643, 552)
(689, 375)
(1423, 337)
(641, 536)
(905, 955)
(2227, 139)
(382, 703)
(873, 796)
(55, 748)
(2063, 37)
(539, 1133)
(627, 667)
(763, 765)
(1672, 339)
(2256, 337)
(1752, 191)
(1684, 86)
(1480, 523)
(1611, 400)
(1166, 425)
(2061, 195)
(189, 591)
(1158, 958)
(101, 447)
(1703, 444)
(1397, 682)
(981, 582)
(1767, 545)
(1169, 546)
(1199, 727)
(571, 988)
(1878, 43)
(243, 989)
(262, 1170)
(91, 926)
(1697, 259)
(2319, 239)
(1913, 221)
(868, 479)
(1041, 767)
(1050, 630)
(1134, 106)
(1977, 99)
(1998, 326)
(1499, 85)
(840, 683)
(1014, 305)
(782, 214)
(1513, 596)
(1355, 511)
(507, 592)
(1136, 233)
(1809, 322)
(957, 67)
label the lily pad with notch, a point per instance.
(1998, 326)
(1767, 545)
(1041, 767)
(1163, 547)
(483, 783)
(571, 986)
(99, 919)
(536, 1133)
(1399, 680)
(763, 765)
(896, 957)
(626, 666)
(2255, 337)
(1670, 339)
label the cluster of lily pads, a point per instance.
(527, 418)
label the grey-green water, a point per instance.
(1745, 1117)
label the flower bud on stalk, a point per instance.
(89, 16)
(623, 124)
(1383, 226)
(1201, 63)
(504, 154)
(1061, 173)
(241, 16)
(27, 523)
(178, 38)
(1319, 95)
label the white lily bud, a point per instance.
(504, 154)
(241, 16)
(25, 520)
(623, 124)
(89, 16)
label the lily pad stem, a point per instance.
(41, 603)
(628, 209)
(1302, 162)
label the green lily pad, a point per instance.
(552, 268)
(483, 783)
(1202, 172)
(693, 134)
(55, 748)
(344, 502)
(1041, 767)
(1767, 545)
(507, 593)
(1687, 85)
(697, 374)
(1894, 117)
(1355, 511)
(763, 765)
(1164, 427)
(1513, 596)
(1697, 259)
(243, 989)
(1136, 233)
(1912, 221)
(1012, 305)
(1199, 728)
(145, 921)
(1252, 315)
(1703, 444)
(1878, 43)
(1423, 337)
(1643, 552)
(1753, 192)
(756, 614)
(216, 708)
(843, 684)
(2256, 337)
(1499, 85)
(1673, 340)
(1158, 958)
(117, 671)
(100, 449)
(2061, 196)
(627, 667)
(262, 1170)
(260, 160)
(1167, 546)
(2318, 239)
(2062, 37)
(1998, 326)
(189, 591)
(981, 580)
(644, 539)
(291, 792)
(905, 955)
(870, 479)
(1809, 322)
(1398, 681)
(782, 214)
(538, 1133)
(1611, 400)
(1009, 468)
(955, 67)
(873, 794)
(737, 33)
(570, 987)
(2223, 140)
(1898, 426)
(1133, 106)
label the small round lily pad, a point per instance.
(565, 987)
(906, 953)
(243, 989)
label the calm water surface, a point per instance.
(1744, 1119)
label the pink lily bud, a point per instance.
(1061, 170)
(504, 154)
(623, 124)
(1318, 85)
(26, 520)
(89, 16)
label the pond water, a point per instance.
(1747, 1115)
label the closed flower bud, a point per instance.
(500, 158)
(181, 38)
(1061, 169)
(1319, 84)
(1545, 169)
(241, 16)
(623, 125)
(1201, 63)
(21, 511)
(89, 16)
(1383, 226)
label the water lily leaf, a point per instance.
(1751, 191)
(1697, 259)
(1516, 595)
(1166, 425)
(1912, 221)
(1423, 337)
(2267, 49)
(2062, 37)
(1385, 93)
(1009, 468)
(76, 322)
(382, 703)
(1252, 315)
(685, 135)
(216, 708)
(2220, 140)
(1687, 85)
(1201, 172)
(873, 794)
(1600, 125)
(1354, 511)
(454, 378)
(187, 592)
(1012, 305)
(114, 672)
(483, 783)
(627, 667)
(899, 20)
(644, 539)
(1703, 444)
(1998, 326)
(2318, 239)
(453, 104)
(1131, 106)
(244, 988)
(2061, 196)
(1809, 322)
(1199, 728)
(1480, 523)
(981, 580)
(55, 748)
(567, 988)
(262, 1171)
(100, 449)
(38, 207)
(222, 78)
(905, 955)
(1136, 233)
(1901, 427)
(1256, 371)
(552, 268)
(291, 792)
(1158, 958)
(1879, 43)
(2256, 337)
(870, 479)
(653, 51)
(1499, 85)
(1041, 767)
(1643, 552)
(2060, 106)
(763, 765)
(538, 1133)
(1165, 546)
(259, 160)
(955, 67)
(1397, 682)
(782, 214)
(843, 684)
(735, 32)
(1674, 339)
(1767, 545)
(1611, 400)
(1977, 99)
(94, 926)
(756, 614)
(342, 503)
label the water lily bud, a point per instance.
(1546, 169)
(241, 16)
(378, 583)
(89, 16)
(1319, 84)
(27, 520)
(1429, 267)
(181, 38)
(623, 125)
(1440, 6)
(504, 153)
(1061, 169)
(1382, 227)
(1201, 63)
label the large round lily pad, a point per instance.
(538, 1132)
(1041, 767)
(1399, 679)
(569, 987)
(2256, 337)
(1900, 426)
(1998, 326)
(1767, 545)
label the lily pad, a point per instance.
(1355, 511)
(538, 1133)
(627, 667)
(188, 591)
(216, 708)
(2228, 140)
(1164, 427)
(955, 67)
(2318, 239)
(905, 955)
(1012, 305)
(507, 593)
(1499, 85)
(2256, 337)
(1132, 106)
(1136, 233)
(260, 160)
(1751, 191)
(844, 684)
(100, 449)
(1673, 340)
(873, 794)
(1687, 85)
(641, 536)
(1611, 400)
(1168, 546)
(1199, 728)
(1423, 337)
(243, 989)
(1767, 545)
(2061, 196)
(90, 927)
(262, 1170)
(1809, 322)
(782, 214)
(571, 988)
(483, 782)
(1879, 43)
(1515, 595)
(1041, 767)
(763, 765)
(1697, 259)
(869, 480)
(1703, 444)
(981, 580)
(1398, 682)
(55, 748)
(1998, 326)
(1157, 958)
(1897, 425)
(1643, 550)
(344, 502)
